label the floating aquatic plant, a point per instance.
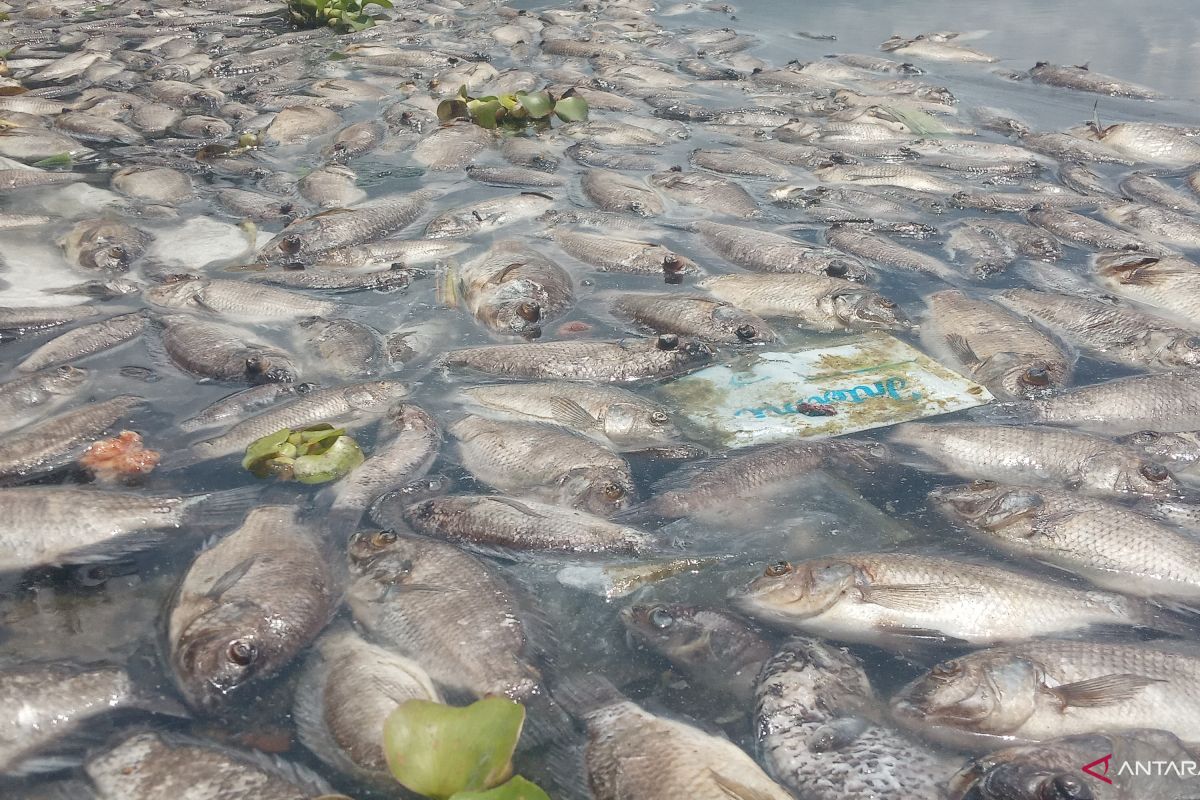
(515, 110)
(458, 753)
(343, 16)
(316, 454)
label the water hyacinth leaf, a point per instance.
(516, 789)
(538, 104)
(452, 109)
(462, 92)
(571, 109)
(439, 750)
(486, 111)
(264, 447)
(510, 101)
(337, 460)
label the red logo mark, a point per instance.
(1100, 776)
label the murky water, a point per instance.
(116, 611)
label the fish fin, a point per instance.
(912, 597)
(916, 635)
(221, 509)
(517, 505)
(226, 582)
(962, 350)
(1014, 411)
(583, 692)
(1103, 690)
(736, 790)
(572, 413)
(46, 762)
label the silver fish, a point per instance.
(513, 289)
(306, 239)
(707, 191)
(1165, 401)
(817, 302)
(1083, 79)
(55, 441)
(247, 606)
(242, 403)
(764, 251)
(693, 315)
(613, 191)
(99, 244)
(86, 340)
(24, 399)
(872, 247)
(346, 348)
(895, 599)
(617, 254)
(488, 215)
(621, 361)
(222, 352)
(1025, 453)
(1167, 283)
(237, 299)
(447, 610)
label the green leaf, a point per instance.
(383, 3)
(59, 160)
(516, 789)
(486, 112)
(452, 109)
(571, 109)
(264, 448)
(462, 92)
(341, 456)
(537, 104)
(510, 101)
(439, 750)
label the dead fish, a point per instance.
(1011, 357)
(545, 462)
(356, 140)
(880, 249)
(493, 524)
(616, 415)
(764, 251)
(59, 525)
(452, 146)
(247, 606)
(85, 340)
(817, 302)
(692, 315)
(347, 689)
(488, 215)
(447, 610)
(223, 353)
(1167, 283)
(153, 184)
(242, 403)
(237, 299)
(346, 348)
(1083, 79)
(706, 191)
(1085, 231)
(514, 289)
(1039, 455)
(611, 253)
(1165, 401)
(892, 600)
(145, 765)
(515, 177)
(621, 361)
(332, 186)
(306, 239)
(613, 191)
(99, 244)
(934, 47)
(25, 398)
(1108, 331)
(55, 441)
(297, 124)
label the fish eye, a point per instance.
(1066, 787)
(1193, 343)
(65, 370)
(837, 270)
(613, 491)
(659, 417)
(290, 244)
(241, 652)
(946, 670)
(746, 332)
(668, 341)
(661, 618)
(1036, 376)
(1154, 472)
(256, 364)
(530, 312)
(305, 388)
(672, 263)
(779, 568)
(383, 538)
(1145, 437)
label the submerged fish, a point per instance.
(621, 361)
(513, 289)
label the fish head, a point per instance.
(224, 649)
(1183, 351)
(991, 507)
(745, 327)
(177, 293)
(989, 692)
(868, 309)
(515, 307)
(375, 395)
(264, 368)
(993, 777)
(1160, 446)
(635, 423)
(384, 549)
(788, 592)
(1122, 471)
(848, 270)
(818, 678)
(680, 632)
(597, 490)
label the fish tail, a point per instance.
(220, 509)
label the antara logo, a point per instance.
(1103, 776)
